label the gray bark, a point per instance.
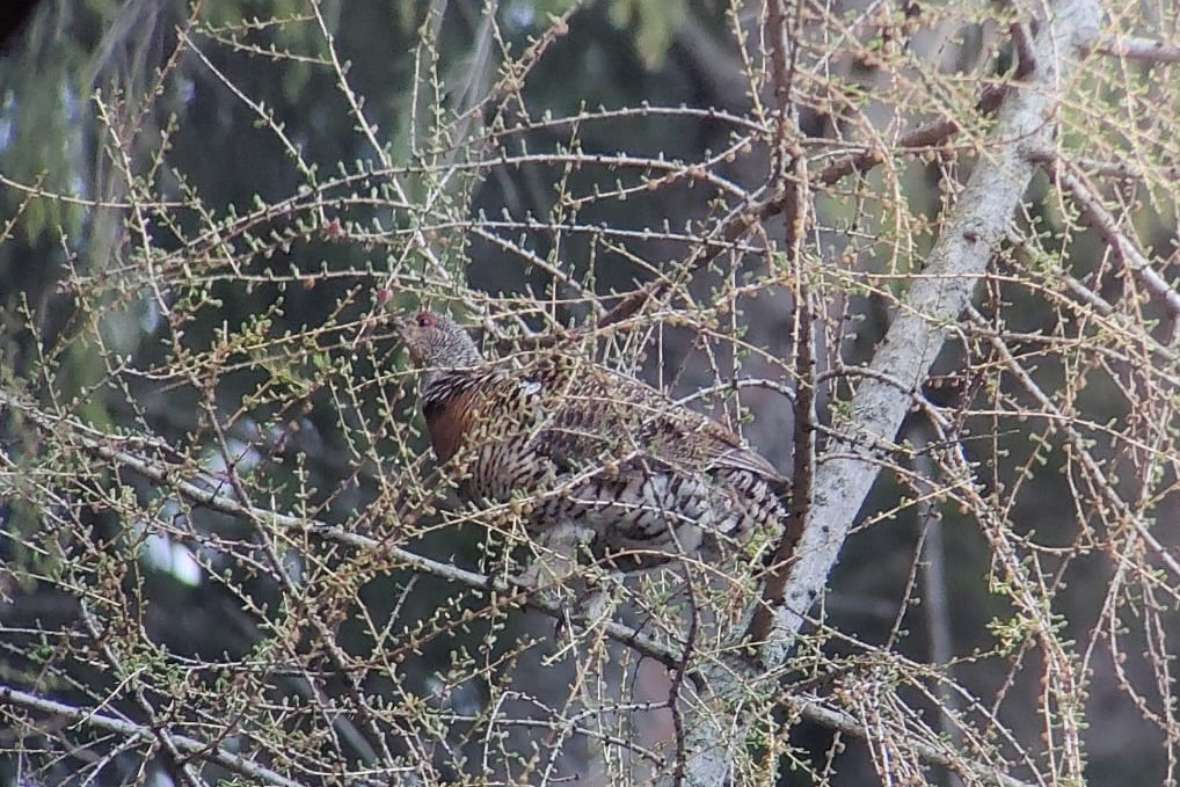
(716, 726)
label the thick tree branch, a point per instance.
(923, 322)
(935, 300)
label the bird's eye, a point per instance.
(425, 320)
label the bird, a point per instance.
(568, 442)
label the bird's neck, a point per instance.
(442, 385)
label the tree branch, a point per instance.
(797, 206)
(103, 445)
(1145, 50)
(1128, 253)
(929, 309)
(812, 710)
(741, 220)
(200, 749)
(935, 301)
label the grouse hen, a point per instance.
(570, 442)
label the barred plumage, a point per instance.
(589, 447)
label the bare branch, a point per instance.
(90, 717)
(794, 182)
(1144, 50)
(1128, 253)
(220, 513)
(979, 222)
(816, 712)
(205, 494)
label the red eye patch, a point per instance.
(425, 320)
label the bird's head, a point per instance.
(435, 341)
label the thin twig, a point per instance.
(1127, 252)
(92, 718)
(797, 213)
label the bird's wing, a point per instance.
(581, 419)
(589, 414)
(742, 458)
(709, 446)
